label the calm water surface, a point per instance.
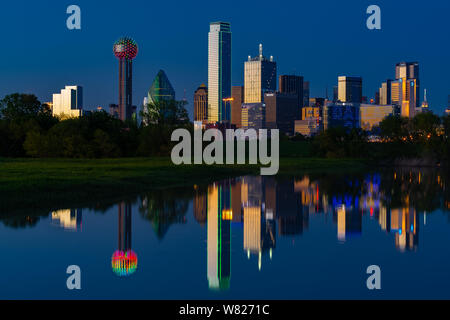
(311, 236)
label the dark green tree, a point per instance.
(165, 112)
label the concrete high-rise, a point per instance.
(237, 94)
(201, 104)
(290, 84)
(306, 93)
(125, 49)
(219, 72)
(68, 103)
(281, 111)
(260, 76)
(350, 89)
(408, 84)
(385, 92)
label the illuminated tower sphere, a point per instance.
(125, 49)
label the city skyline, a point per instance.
(312, 57)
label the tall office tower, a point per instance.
(161, 89)
(281, 111)
(125, 49)
(68, 103)
(201, 104)
(385, 92)
(350, 89)
(306, 94)
(335, 93)
(219, 236)
(407, 75)
(237, 94)
(219, 72)
(395, 92)
(253, 116)
(408, 70)
(260, 76)
(293, 85)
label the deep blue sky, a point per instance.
(317, 39)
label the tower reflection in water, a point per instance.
(271, 207)
(219, 214)
(124, 260)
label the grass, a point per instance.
(19, 175)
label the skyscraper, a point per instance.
(253, 116)
(237, 93)
(350, 89)
(407, 78)
(281, 111)
(125, 49)
(290, 84)
(201, 104)
(161, 89)
(68, 103)
(219, 72)
(385, 92)
(306, 93)
(260, 76)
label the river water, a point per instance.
(309, 236)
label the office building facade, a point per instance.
(290, 84)
(350, 89)
(308, 127)
(281, 111)
(253, 116)
(237, 95)
(219, 72)
(306, 93)
(385, 93)
(68, 103)
(408, 85)
(201, 104)
(341, 114)
(371, 115)
(260, 76)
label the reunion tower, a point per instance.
(125, 49)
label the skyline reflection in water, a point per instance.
(252, 218)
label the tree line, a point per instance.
(28, 129)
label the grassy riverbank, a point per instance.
(59, 175)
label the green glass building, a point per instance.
(161, 89)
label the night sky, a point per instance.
(317, 39)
